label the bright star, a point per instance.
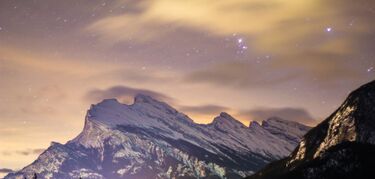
(329, 29)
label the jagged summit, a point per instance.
(227, 120)
(111, 112)
(148, 104)
(142, 98)
(226, 115)
(254, 124)
(109, 101)
(139, 99)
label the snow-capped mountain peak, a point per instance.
(224, 120)
(150, 139)
(145, 100)
(109, 102)
(141, 98)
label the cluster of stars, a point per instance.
(241, 44)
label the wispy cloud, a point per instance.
(290, 32)
(322, 70)
(30, 152)
(218, 17)
(293, 114)
(24, 152)
(283, 24)
(238, 75)
(5, 170)
(124, 94)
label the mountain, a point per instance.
(150, 139)
(342, 146)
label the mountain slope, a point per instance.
(150, 139)
(289, 130)
(341, 146)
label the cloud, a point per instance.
(14, 58)
(6, 153)
(325, 67)
(30, 152)
(218, 17)
(124, 94)
(25, 152)
(274, 26)
(293, 114)
(322, 70)
(204, 109)
(42, 98)
(289, 31)
(238, 75)
(137, 75)
(5, 170)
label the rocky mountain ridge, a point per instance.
(150, 139)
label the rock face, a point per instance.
(150, 139)
(342, 146)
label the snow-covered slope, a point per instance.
(291, 131)
(342, 146)
(150, 139)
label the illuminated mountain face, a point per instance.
(150, 139)
(342, 146)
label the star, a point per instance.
(329, 29)
(351, 23)
(370, 69)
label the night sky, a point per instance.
(297, 59)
